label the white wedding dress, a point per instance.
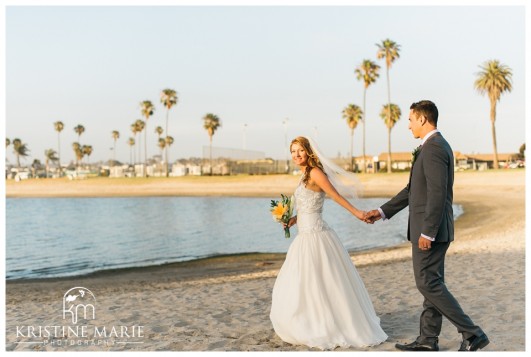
(319, 299)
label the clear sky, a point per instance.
(255, 65)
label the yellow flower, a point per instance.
(279, 211)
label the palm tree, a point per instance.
(169, 98)
(390, 51)
(134, 129)
(522, 151)
(162, 144)
(211, 123)
(131, 143)
(35, 166)
(20, 149)
(147, 109)
(59, 126)
(494, 79)
(390, 114)
(78, 152)
(87, 150)
(368, 73)
(169, 142)
(159, 131)
(50, 156)
(139, 126)
(80, 129)
(353, 114)
(115, 136)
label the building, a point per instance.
(400, 161)
(486, 161)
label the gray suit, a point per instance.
(429, 196)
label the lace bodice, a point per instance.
(309, 206)
(308, 201)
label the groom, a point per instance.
(429, 195)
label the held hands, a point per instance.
(372, 216)
(368, 217)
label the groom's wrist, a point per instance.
(382, 213)
(428, 238)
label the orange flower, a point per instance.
(282, 211)
(279, 211)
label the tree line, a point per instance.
(168, 98)
(493, 79)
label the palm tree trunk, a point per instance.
(133, 148)
(166, 147)
(145, 149)
(59, 151)
(352, 150)
(210, 155)
(389, 149)
(364, 122)
(389, 120)
(388, 90)
(493, 120)
(114, 153)
(139, 158)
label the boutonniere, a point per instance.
(414, 154)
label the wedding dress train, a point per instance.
(319, 299)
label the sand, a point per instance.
(223, 304)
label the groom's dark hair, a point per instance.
(428, 109)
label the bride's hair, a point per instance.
(313, 159)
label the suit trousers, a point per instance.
(428, 267)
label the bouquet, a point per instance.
(282, 211)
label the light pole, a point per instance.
(244, 137)
(285, 123)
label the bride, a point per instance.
(319, 300)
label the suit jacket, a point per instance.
(429, 193)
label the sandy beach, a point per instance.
(223, 304)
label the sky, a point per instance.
(254, 67)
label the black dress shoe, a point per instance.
(416, 346)
(474, 343)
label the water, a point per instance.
(57, 237)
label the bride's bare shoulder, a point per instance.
(316, 172)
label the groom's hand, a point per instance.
(424, 244)
(372, 216)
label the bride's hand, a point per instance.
(292, 221)
(360, 215)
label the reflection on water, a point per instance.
(52, 237)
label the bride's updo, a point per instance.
(313, 160)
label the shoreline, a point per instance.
(222, 303)
(196, 269)
(186, 186)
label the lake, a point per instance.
(58, 237)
